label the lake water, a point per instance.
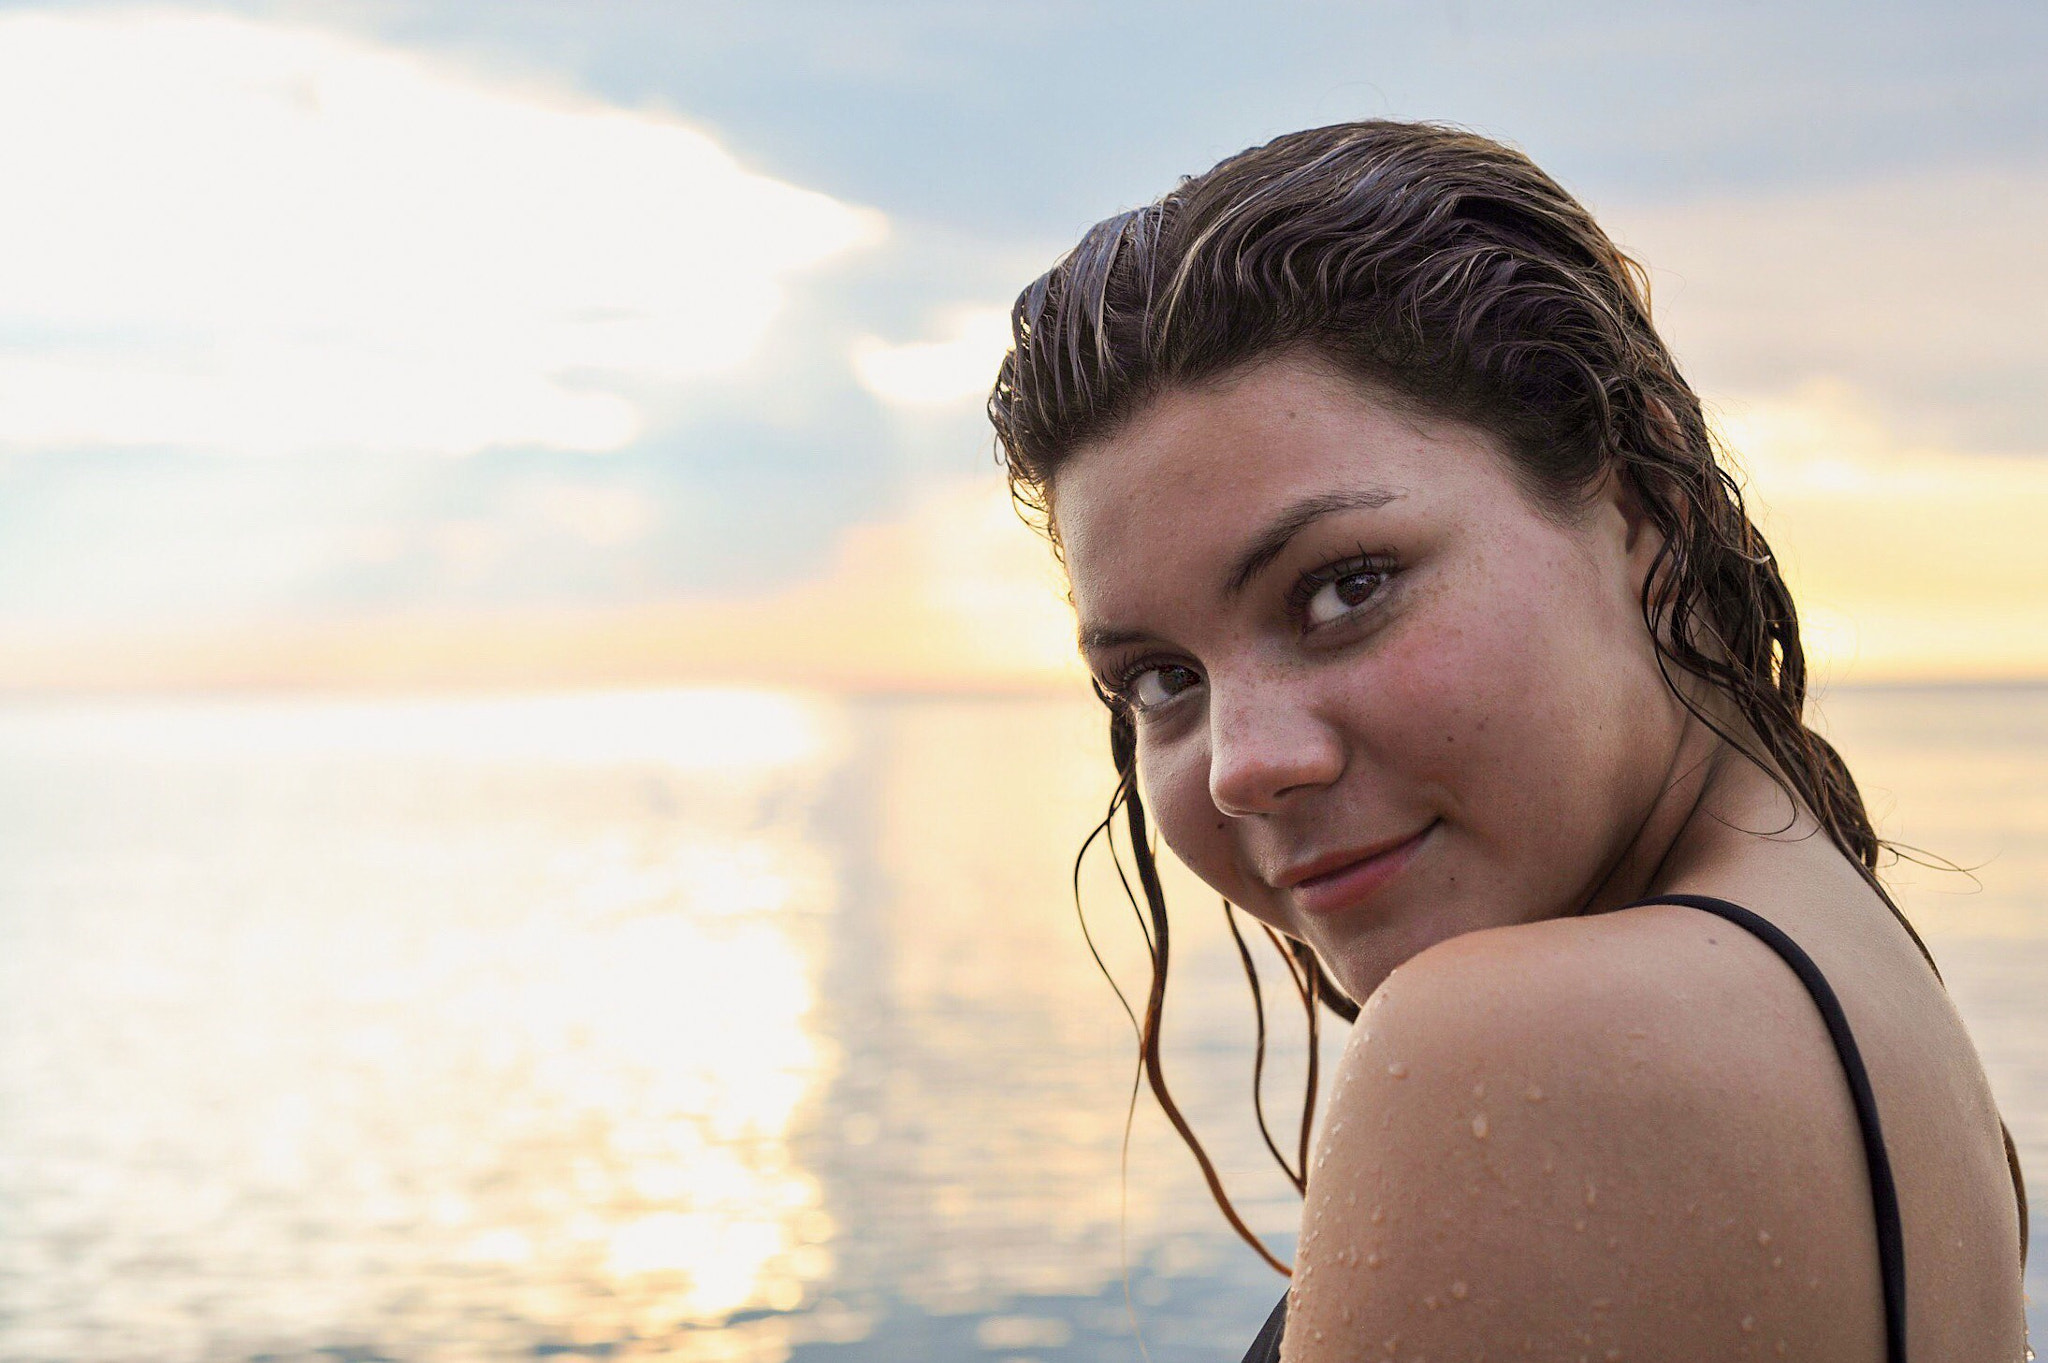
(703, 1025)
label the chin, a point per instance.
(1360, 962)
(1360, 967)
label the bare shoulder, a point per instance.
(1616, 1137)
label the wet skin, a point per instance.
(1394, 707)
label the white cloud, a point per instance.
(957, 368)
(543, 519)
(605, 517)
(251, 238)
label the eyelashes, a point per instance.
(1147, 684)
(1325, 595)
(1329, 595)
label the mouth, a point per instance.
(1347, 879)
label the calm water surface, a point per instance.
(694, 1025)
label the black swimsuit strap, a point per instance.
(1884, 1194)
(1266, 1348)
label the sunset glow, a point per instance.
(333, 361)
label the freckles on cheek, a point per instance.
(1448, 692)
(1189, 823)
(1456, 703)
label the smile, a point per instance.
(1346, 880)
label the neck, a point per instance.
(1709, 792)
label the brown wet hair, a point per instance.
(1444, 271)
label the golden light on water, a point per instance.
(740, 733)
(543, 1017)
(368, 1038)
(702, 1021)
(698, 994)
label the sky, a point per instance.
(436, 344)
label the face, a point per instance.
(1382, 697)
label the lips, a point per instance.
(1347, 878)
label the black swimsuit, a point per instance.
(1884, 1197)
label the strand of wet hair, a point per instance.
(1123, 749)
(1105, 830)
(1312, 978)
(1304, 973)
(1251, 974)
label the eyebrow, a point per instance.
(1273, 540)
(1260, 553)
(1100, 637)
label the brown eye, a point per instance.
(1158, 685)
(1340, 596)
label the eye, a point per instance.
(1149, 687)
(1350, 587)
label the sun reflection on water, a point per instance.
(694, 1025)
(480, 1026)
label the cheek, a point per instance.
(1176, 786)
(1525, 709)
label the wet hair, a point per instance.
(1445, 272)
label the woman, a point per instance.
(1435, 638)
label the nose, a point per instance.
(1266, 747)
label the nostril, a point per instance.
(1256, 767)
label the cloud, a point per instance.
(240, 237)
(552, 527)
(953, 592)
(1907, 561)
(955, 369)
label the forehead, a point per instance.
(1199, 471)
